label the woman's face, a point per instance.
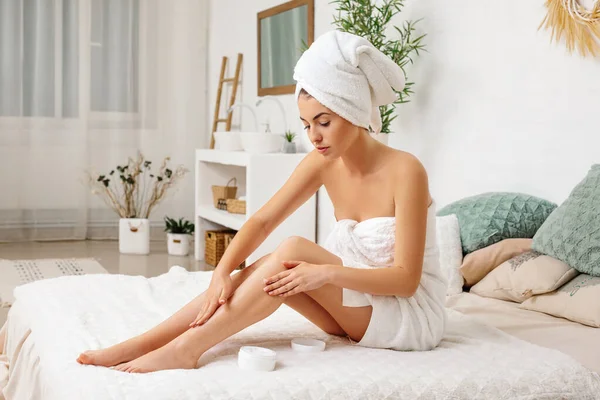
(329, 133)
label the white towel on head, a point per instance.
(351, 77)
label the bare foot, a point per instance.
(170, 356)
(113, 355)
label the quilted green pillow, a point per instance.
(572, 233)
(488, 218)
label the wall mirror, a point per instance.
(282, 30)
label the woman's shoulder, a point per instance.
(405, 164)
(409, 173)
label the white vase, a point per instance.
(178, 244)
(134, 236)
(289, 147)
(381, 137)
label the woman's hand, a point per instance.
(219, 290)
(300, 277)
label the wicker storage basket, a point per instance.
(228, 239)
(236, 206)
(214, 245)
(224, 192)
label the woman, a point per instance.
(376, 282)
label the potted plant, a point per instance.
(289, 146)
(133, 190)
(370, 19)
(178, 236)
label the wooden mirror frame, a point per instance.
(283, 89)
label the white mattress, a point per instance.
(68, 315)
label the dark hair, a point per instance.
(304, 93)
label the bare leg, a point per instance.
(179, 323)
(248, 305)
(158, 336)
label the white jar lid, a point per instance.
(306, 345)
(256, 358)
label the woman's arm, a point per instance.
(411, 207)
(300, 186)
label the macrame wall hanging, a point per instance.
(580, 26)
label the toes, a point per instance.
(121, 367)
(84, 358)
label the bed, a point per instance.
(491, 350)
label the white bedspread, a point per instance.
(71, 314)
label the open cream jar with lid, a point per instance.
(256, 358)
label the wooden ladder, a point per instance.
(235, 80)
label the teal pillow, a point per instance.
(488, 218)
(572, 233)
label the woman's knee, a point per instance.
(289, 248)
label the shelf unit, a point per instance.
(259, 177)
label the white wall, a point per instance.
(497, 106)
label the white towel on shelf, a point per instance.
(351, 77)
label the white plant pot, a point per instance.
(134, 236)
(178, 244)
(289, 147)
(381, 137)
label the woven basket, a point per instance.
(236, 206)
(214, 245)
(224, 192)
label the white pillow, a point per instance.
(451, 256)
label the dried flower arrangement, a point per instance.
(134, 190)
(579, 26)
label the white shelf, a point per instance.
(239, 158)
(258, 178)
(221, 217)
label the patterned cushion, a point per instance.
(572, 233)
(576, 301)
(528, 274)
(488, 218)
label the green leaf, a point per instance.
(370, 19)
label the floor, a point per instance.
(106, 253)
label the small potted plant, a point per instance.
(133, 191)
(289, 146)
(178, 236)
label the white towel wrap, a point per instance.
(351, 77)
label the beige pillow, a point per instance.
(523, 276)
(576, 301)
(479, 263)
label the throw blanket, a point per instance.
(70, 314)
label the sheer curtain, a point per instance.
(85, 84)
